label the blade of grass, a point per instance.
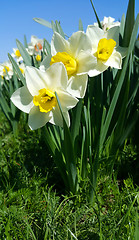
(136, 228)
(122, 221)
(30, 229)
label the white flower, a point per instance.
(6, 70)
(107, 23)
(16, 54)
(42, 68)
(38, 97)
(105, 47)
(35, 46)
(75, 54)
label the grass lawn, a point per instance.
(35, 205)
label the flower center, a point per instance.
(38, 47)
(69, 62)
(46, 100)
(38, 58)
(105, 48)
(7, 68)
(17, 53)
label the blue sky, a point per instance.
(16, 18)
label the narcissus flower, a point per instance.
(6, 70)
(38, 98)
(105, 47)
(35, 46)
(107, 23)
(75, 54)
(16, 54)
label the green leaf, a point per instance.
(76, 116)
(43, 22)
(55, 135)
(24, 53)
(119, 86)
(80, 25)
(99, 24)
(129, 23)
(54, 27)
(16, 82)
(25, 42)
(57, 154)
(59, 28)
(5, 107)
(122, 25)
(1, 82)
(47, 46)
(49, 140)
(69, 154)
(84, 152)
(17, 69)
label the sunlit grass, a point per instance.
(34, 205)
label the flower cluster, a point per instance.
(65, 71)
(34, 48)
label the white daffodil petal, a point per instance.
(95, 34)
(77, 85)
(57, 117)
(79, 41)
(100, 67)
(38, 119)
(56, 76)
(67, 101)
(59, 44)
(113, 33)
(22, 99)
(86, 61)
(122, 51)
(115, 60)
(34, 39)
(35, 80)
(107, 20)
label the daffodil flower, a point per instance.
(106, 49)
(17, 55)
(35, 46)
(6, 70)
(107, 23)
(75, 54)
(38, 98)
